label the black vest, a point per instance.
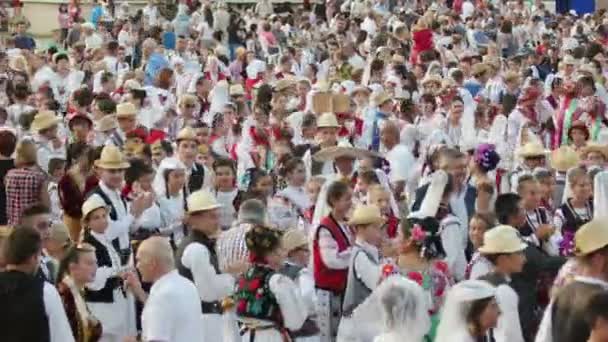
(543, 218)
(106, 294)
(316, 167)
(290, 270)
(23, 316)
(124, 253)
(573, 221)
(194, 236)
(197, 178)
(569, 310)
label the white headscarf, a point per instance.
(600, 193)
(458, 302)
(396, 308)
(159, 184)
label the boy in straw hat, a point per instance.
(44, 127)
(112, 166)
(327, 133)
(504, 249)
(126, 116)
(199, 177)
(532, 155)
(197, 260)
(562, 159)
(564, 319)
(594, 154)
(364, 269)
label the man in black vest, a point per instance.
(187, 149)
(31, 308)
(197, 260)
(509, 210)
(565, 318)
(503, 247)
(38, 217)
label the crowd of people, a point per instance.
(340, 170)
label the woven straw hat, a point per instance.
(187, 133)
(294, 239)
(111, 159)
(564, 158)
(201, 201)
(594, 147)
(591, 236)
(44, 120)
(106, 123)
(125, 110)
(366, 214)
(327, 120)
(502, 239)
(532, 149)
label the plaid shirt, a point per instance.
(231, 246)
(23, 188)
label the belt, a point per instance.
(212, 307)
(245, 327)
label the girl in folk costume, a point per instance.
(585, 107)
(106, 295)
(168, 186)
(360, 96)
(481, 166)
(430, 120)
(292, 201)
(576, 210)
(331, 249)
(313, 189)
(219, 136)
(420, 254)
(578, 135)
(422, 36)
(364, 270)
(75, 184)
(479, 266)
(268, 304)
(380, 197)
(258, 184)
(470, 313)
(226, 191)
(77, 268)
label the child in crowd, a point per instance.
(546, 183)
(364, 181)
(478, 265)
(56, 172)
(226, 191)
(380, 197)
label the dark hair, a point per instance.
(72, 256)
(8, 142)
(335, 191)
(224, 162)
(290, 165)
(597, 308)
(431, 247)
(476, 309)
(309, 120)
(369, 177)
(36, 209)
(254, 175)
(107, 106)
(524, 179)
(506, 206)
(136, 170)
(487, 218)
(22, 91)
(56, 164)
(22, 244)
(83, 97)
(77, 150)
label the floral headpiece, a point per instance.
(426, 234)
(261, 240)
(486, 157)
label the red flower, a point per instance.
(241, 306)
(242, 283)
(415, 276)
(441, 266)
(254, 284)
(440, 291)
(259, 295)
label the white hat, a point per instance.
(434, 194)
(502, 239)
(92, 203)
(327, 120)
(592, 236)
(201, 200)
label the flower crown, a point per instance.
(486, 156)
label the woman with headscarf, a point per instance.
(168, 186)
(469, 314)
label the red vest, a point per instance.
(325, 277)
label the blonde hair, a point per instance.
(26, 153)
(376, 189)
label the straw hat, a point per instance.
(187, 133)
(366, 214)
(342, 150)
(569, 60)
(502, 239)
(44, 120)
(431, 79)
(594, 147)
(283, 84)
(106, 123)
(382, 97)
(294, 239)
(201, 201)
(511, 76)
(18, 63)
(327, 120)
(111, 159)
(92, 203)
(591, 236)
(59, 233)
(125, 110)
(479, 69)
(564, 158)
(237, 90)
(532, 149)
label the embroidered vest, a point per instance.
(198, 237)
(356, 290)
(254, 298)
(325, 277)
(573, 221)
(197, 178)
(106, 294)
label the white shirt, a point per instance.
(467, 9)
(59, 327)
(367, 270)
(211, 285)
(46, 152)
(328, 247)
(119, 228)
(93, 41)
(401, 162)
(172, 312)
(453, 238)
(508, 328)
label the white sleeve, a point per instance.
(367, 271)
(328, 247)
(156, 315)
(508, 328)
(59, 327)
(101, 277)
(292, 306)
(306, 283)
(401, 165)
(558, 220)
(551, 246)
(480, 269)
(211, 286)
(544, 330)
(120, 227)
(452, 244)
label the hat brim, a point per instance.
(211, 207)
(125, 115)
(366, 221)
(513, 249)
(45, 125)
(598, 149)
(112, 166)
(530, 154)
(331, 153)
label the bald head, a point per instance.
(156, 255)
